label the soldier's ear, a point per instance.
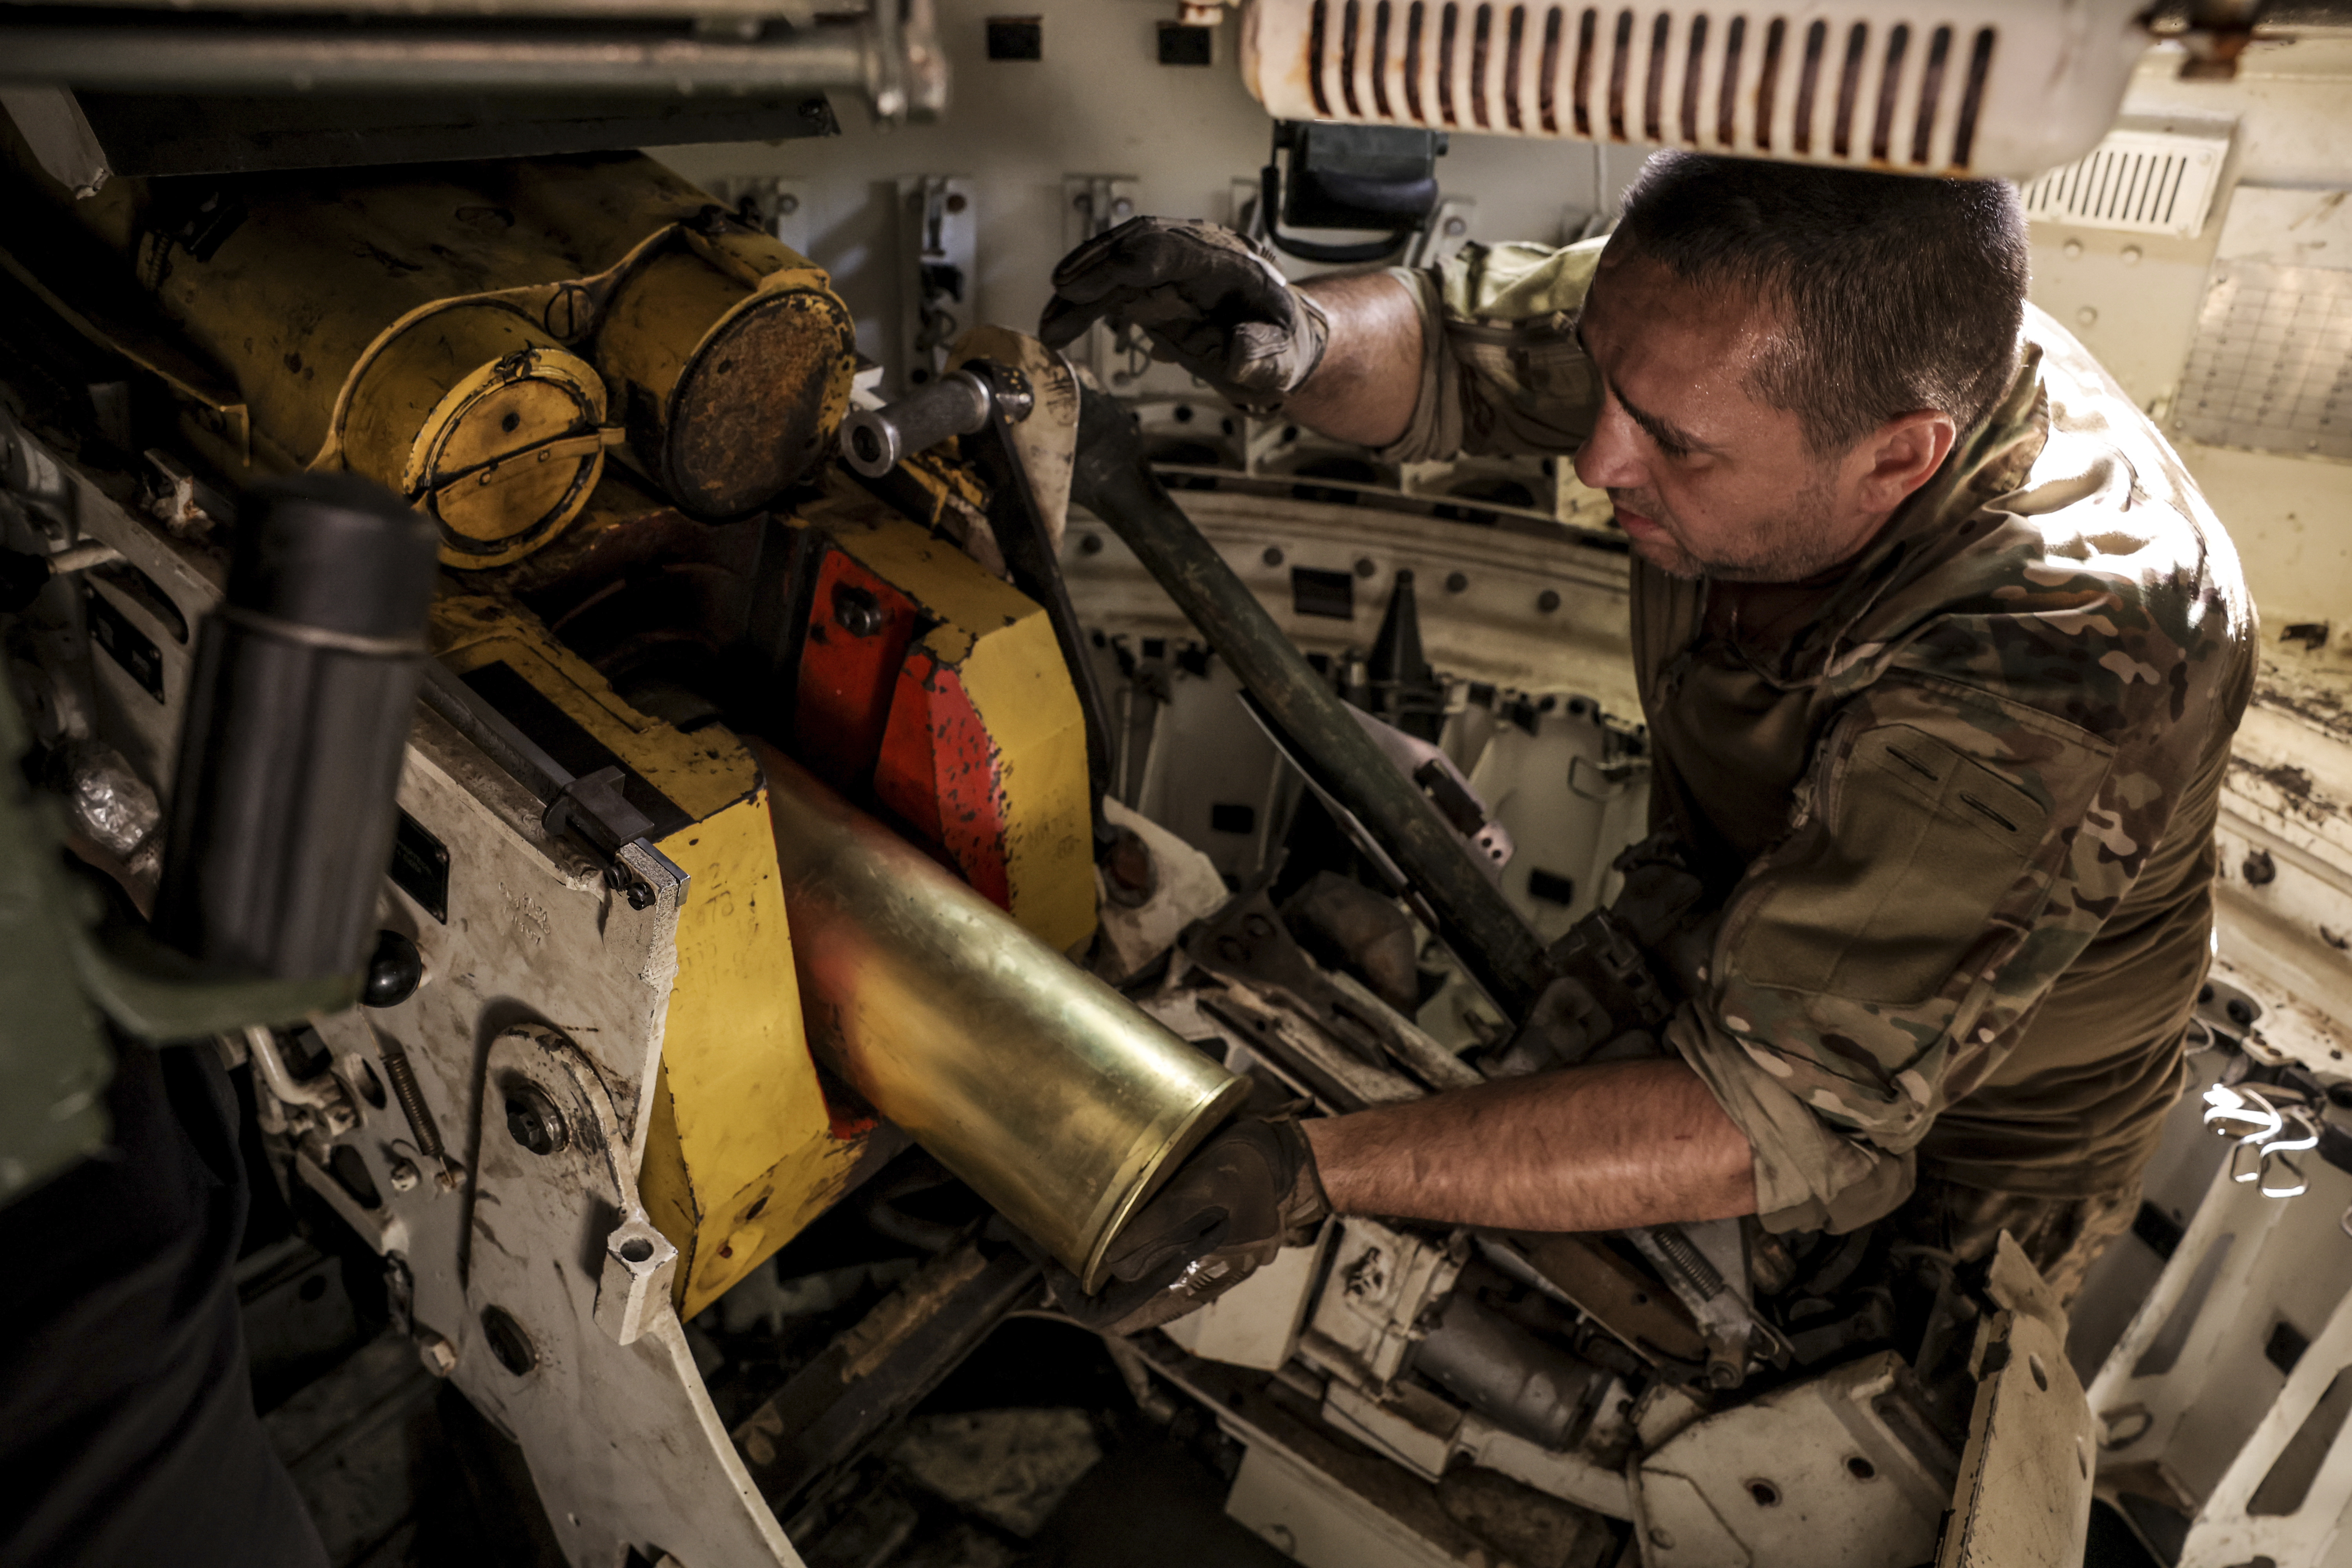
(1899, 457)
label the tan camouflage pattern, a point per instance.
(2005, 721)
(2061, 1237)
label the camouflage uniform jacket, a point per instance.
(1961, 802)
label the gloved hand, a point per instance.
(1210, 299)
(1247, 1193)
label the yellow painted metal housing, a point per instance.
(477, 339)
(740, 1151)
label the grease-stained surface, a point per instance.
(739, 1145)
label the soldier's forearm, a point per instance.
(1365, 388)
(1597, 1148)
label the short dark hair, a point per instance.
(1900, 292)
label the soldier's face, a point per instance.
(1708, 479)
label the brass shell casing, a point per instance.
(1054, 1097)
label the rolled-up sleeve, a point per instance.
(1953, 855)
(1501, 371)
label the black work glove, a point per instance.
(1244, 1195)
(1210, 298)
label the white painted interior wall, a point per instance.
(2290, 516)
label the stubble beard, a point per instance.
(1787, 545)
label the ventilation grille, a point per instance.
(1859, 90)
(2148, 182)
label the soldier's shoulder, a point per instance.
(2103, 588)
(1518, 281)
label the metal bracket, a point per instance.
(592, 808)
(938, 272)
(1094, 205)
(1448, 231)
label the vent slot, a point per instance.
(2145, 182)
(1833, 87)
(1546, 96)
(1809, 82)
(1857, 40)
(1691, 74)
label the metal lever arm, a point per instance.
(1499, 947)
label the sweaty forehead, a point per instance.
(1635, 301)
(1669, 337)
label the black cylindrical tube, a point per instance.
(1507, 1374)
(1500, 950)
(298, 714)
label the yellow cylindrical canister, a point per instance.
(734, 391)
(508, 309)
(485, 422)
(1054, 1097)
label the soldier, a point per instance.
(1941, 652)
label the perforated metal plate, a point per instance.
(2272, 364)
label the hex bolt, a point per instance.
(533, 1121)
(857, 611)
(404, 1175)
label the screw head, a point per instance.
(857, 611)
(533, 1121)
(404, 1175)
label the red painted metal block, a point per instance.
(860, 626)
(940, 773)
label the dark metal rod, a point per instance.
(151, 58)
(1500, 950)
